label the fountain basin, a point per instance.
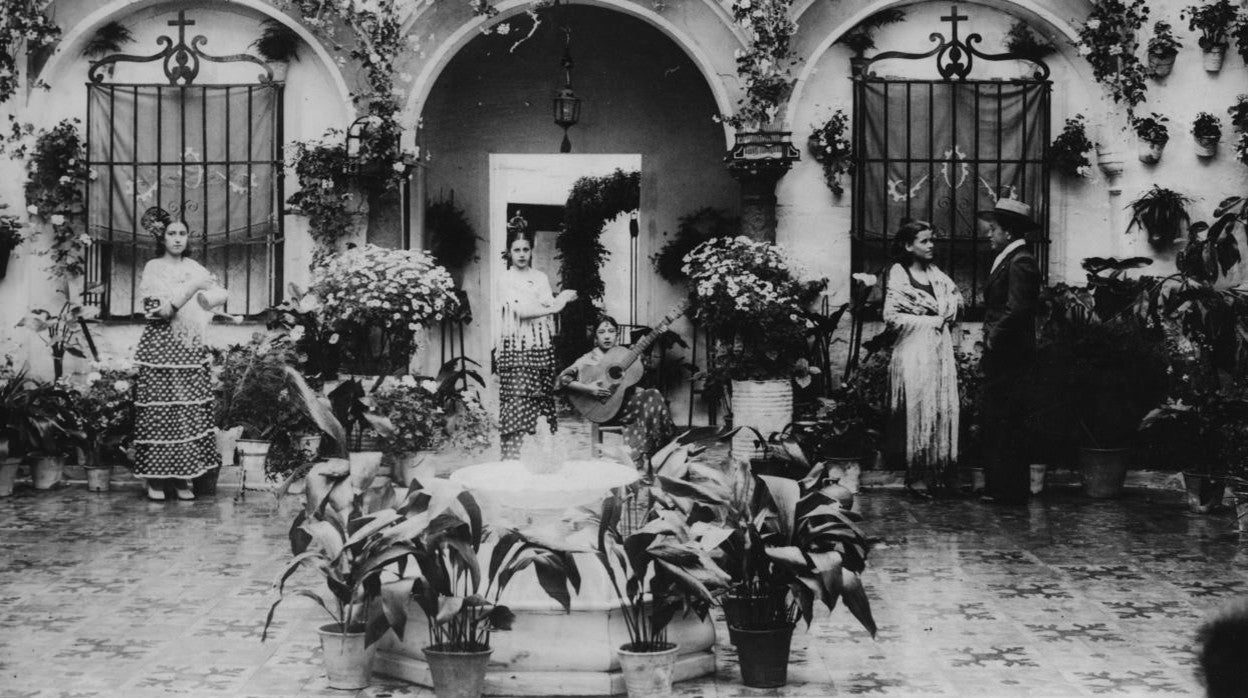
(548, 651)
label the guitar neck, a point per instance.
(644, 343)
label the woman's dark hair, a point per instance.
(607, 319)
(160, 239)
(906, 235)
(1222, 644)
(517, 228)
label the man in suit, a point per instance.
(1011, 296)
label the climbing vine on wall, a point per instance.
(56, 175)
(765, 66)
(23, 24)
(592, 202)
(1108, 39)
(324, 192)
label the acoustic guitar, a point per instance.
(617, 371)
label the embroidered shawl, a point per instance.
(923, 372)
(525, 290)
(166, 281)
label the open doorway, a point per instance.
(537, 187)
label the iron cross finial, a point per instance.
(953, 18)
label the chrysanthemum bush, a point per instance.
(398, 291)
(752, 306)
(1108, 40)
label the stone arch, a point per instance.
(73, 39)
(705, 59)
(812, 45)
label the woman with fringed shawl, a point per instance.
(525, 353)
(921, 304)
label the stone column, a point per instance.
(758, 161)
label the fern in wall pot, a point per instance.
(1161, 213)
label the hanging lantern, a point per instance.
(566, 105)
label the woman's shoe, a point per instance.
(183, 488)
(155, 493)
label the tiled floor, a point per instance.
(108, 594)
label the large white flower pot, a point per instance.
(766, 406)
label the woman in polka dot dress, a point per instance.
(173, 405)
(644, 413)
(525, 354)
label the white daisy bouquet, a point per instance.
(399, 292)
(752, 303)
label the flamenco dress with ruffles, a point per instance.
(173, 405)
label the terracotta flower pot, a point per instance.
(648, 674)
(1150, 153)
(1214, 57)
(47, 472)
(1204, 493)
(457, 674)
(348, 663)
(1241, 512)
(1104, 471)
(251, 456)
(8, 475)
(1160, 64)
(1206, 147)
(99, 478)
(764, 656)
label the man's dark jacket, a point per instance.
(1010, 299)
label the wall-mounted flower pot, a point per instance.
(1111, 162)
(1206, 147)
(1214, 57)
(279, 68)
(1150, 153)
(1160, 64)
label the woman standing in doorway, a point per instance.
(525, 352)
(921, 303)
(173, 405)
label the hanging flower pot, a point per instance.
(1213, 58)
(1206, 147)
(1160, 64)
(1111, 162)
(1150, 153)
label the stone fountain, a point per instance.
(549, 651)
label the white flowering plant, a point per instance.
(830, 146)
(104, 408)
(752, 306)
(399, 292)
(55, 184)
(1108, 39)
(1068, 154)
(414, 408)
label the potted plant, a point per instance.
(377, 299)
(861, 38)
(1213, 20)
(1162, 49)
(1153, 135)
(10, 237)
(1212, 422)
(849, 423)
(1239, 113)
(13, 384)
(66, 331)
(656, 570)
(755, 313)
(1098, 372)
(38, 425)
(104, 408)
(419, 423)
(1207, 130)
(829, 145)
(1023, 43)
(1068, 154)
(452, 239)
(278, 45)
(1162, 213)
(108, 39)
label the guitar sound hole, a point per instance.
(615, 372)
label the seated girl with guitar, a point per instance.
(643, 412)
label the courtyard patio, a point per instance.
(111, 594)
